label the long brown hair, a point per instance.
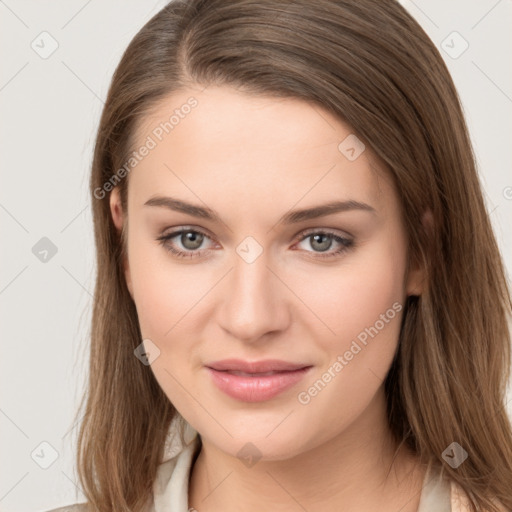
(372, 65)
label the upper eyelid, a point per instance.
(179, 229)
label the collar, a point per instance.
(170, 490)
(435, 493)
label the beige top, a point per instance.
(171, 486)
(170, 489)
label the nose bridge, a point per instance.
(253, 302)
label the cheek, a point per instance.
(362, 305)
(372, 289)
(364, 308)
(356, 294)
(167, 299)
(165, 292)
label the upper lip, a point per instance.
(267, 365)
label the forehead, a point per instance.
(220, 144)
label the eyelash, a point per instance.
(346, 243)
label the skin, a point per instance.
(253, 159)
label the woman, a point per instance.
(298, 282)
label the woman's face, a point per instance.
(265, 270)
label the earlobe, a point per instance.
(417, 275)
(415, 282)
(117, 213)
(115, 208)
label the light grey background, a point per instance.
(50, 109)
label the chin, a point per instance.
(255, 445)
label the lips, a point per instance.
(255, 381)
(251, 367)
(248, 374)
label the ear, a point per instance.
(417, 275)
(118, 218)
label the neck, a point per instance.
(358, 470)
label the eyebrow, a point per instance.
(291, 217)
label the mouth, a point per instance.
(254, 374)
(255, 381)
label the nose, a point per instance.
(254, 301)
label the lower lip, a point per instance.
(256, 389)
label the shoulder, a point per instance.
(460, 501)
(77, 507)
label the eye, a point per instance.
(322, 241)
(189, 240)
